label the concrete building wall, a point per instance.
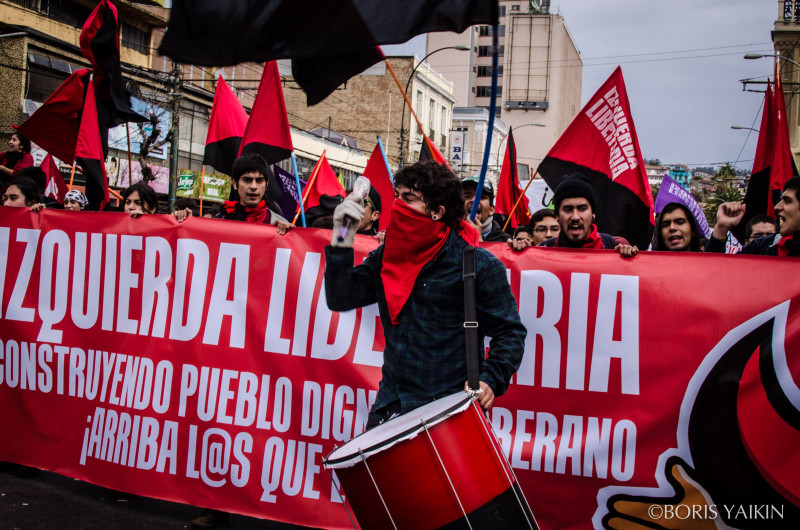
(786, 40)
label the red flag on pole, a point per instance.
(225, 129)
(267, 130)
(429, 152)
(783, 167)
(55, 187)
(509, 190)
(601, 143)
(324, 193)
(54, 126)
(378, 175)
(89, 153)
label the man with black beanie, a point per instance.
(574, 204)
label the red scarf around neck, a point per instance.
(412, 240)
(259, 214)
(593, 239)
(783, 250)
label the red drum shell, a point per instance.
(412, 480)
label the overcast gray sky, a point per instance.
(683, 104)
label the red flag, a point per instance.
(509, 190)
(783, 167)
(429, 152)
(89, 153)
(225, 129)
(55, 187)
(378, 175)
(54, 126)
(267, 131)
(601, 143)
(323, 194)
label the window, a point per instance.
(486, 71)
(502, 11)
(135, 39)
(443, 125)
(486, 31)
(486, 91)
(418, 104)
(432, 118)
(486, 51)
(515, 8)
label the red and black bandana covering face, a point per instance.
(259, 214)
(412, 240)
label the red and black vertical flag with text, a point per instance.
(99, 42)
(89, 153)
(509, 189)
(601, 143)
(328, 42)
(225, 129)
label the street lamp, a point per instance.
(459, 47)
(762, 55)
(740, 128)
(500, 144)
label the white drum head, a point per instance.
(403, 427)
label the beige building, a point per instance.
(539, 89)
(468, 141)
(786, 39)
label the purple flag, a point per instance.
(671, 191)
(290, 198)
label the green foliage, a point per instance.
(726, 192)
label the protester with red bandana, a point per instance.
(250, 179)
(785, 243)
(416, 279)
(574, 203)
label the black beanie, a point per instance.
(572, 186)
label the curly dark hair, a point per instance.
(146, 194)
(438, 186)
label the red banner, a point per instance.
(199, 363)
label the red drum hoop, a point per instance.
(437, 466)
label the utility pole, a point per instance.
(175, 94)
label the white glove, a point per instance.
(350, 207)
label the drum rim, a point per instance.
(439, 416)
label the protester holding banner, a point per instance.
(75, 201)
(250, 178)
(783, 243)
(17, 157)
(23, 193)
(139, 199)
(759, 226)
(544, 225)
(416, 279)
(676, 230)
(574, 202)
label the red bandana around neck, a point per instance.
(593, 240)
(412, 240)
(259, 214)
(783, 250)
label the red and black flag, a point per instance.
(99, 42)
(327, 41)
(55, 186)
(428, 151)
(324, 194)
(89, 153)
(380, 179)
(54, 126)
(601, 143)
(509, 190)
(225, 129)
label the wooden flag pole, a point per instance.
(115, 194)
(519, 199)
(202, 181)
(309, 186)
(72, 176)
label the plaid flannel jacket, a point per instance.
(425, 354)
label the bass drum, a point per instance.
(439, 466)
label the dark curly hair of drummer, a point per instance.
(438, 186)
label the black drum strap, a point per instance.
(471, 319)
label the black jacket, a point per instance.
(763, 246)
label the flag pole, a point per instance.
(130, 159)
(492, 112)
(115, 194)
(202, 181)
(309, 186)
(405, 96)
(299, 190)
(385, 161)
(72, 175)
(520, 198)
